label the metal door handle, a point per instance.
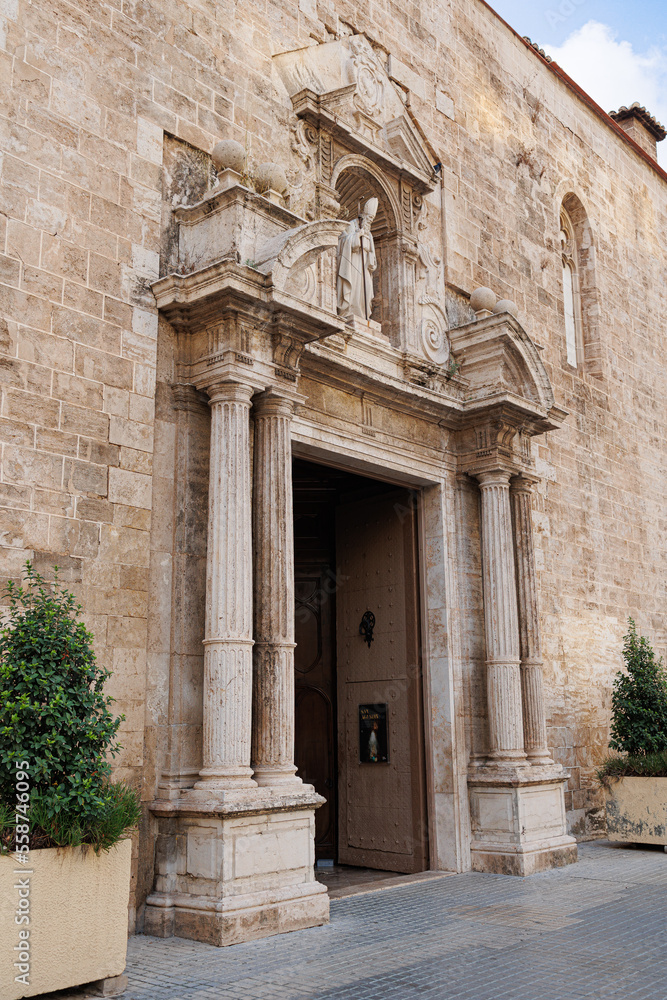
(366, 627)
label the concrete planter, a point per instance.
(77, 911)
(637, 810)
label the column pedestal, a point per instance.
(519, 825)
(236, 871)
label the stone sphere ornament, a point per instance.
(506, 306)
(228, 155)
(483, 299)
(270, 177)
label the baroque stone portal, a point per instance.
(272, 313)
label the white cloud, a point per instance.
(613, 73)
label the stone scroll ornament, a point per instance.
(356, 264)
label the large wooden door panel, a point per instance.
(314, 751)
(314, 663)
(382, 805)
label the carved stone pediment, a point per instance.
(333, 66)
(404, 142)
(508, 398)
(500, 361)
(343, 88)
(298, 246)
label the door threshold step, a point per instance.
(386, 883)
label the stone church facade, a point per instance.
(356, 510)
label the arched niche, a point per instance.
(356, 179)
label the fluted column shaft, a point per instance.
(534, 716)
(273, 537)
(228, 632)
(501, 625)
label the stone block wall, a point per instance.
(90, 89)
(517, 142)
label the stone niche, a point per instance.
(354, 139)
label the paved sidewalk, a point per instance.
(596, 929)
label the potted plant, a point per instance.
(64, 856)
(635, 780)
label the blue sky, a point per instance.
(616, 51)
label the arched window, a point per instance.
(571, 302)
(580, 300)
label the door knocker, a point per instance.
(366, 627)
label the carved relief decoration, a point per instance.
(287, 351)
(431, 299)
(406, 200)
(369, 96)
(327, 157)
(434, 332)
(302, 282)
(303, 176)
(341, 89)
(304, 144)
(232, 334)
(354, 142)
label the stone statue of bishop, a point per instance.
(356, 263)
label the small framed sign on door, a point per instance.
(373, 742)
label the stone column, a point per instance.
(273, 655)
(228, 634)
(534, 718)
(503, 678)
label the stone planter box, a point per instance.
(77, 918)
(637, 810)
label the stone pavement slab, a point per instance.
(597, 929)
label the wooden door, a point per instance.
(381, 801)
(314, 671)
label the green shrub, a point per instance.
(652, 765)
(54, 715)
(119, 814)
(639, 700)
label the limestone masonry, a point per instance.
(315, 309)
